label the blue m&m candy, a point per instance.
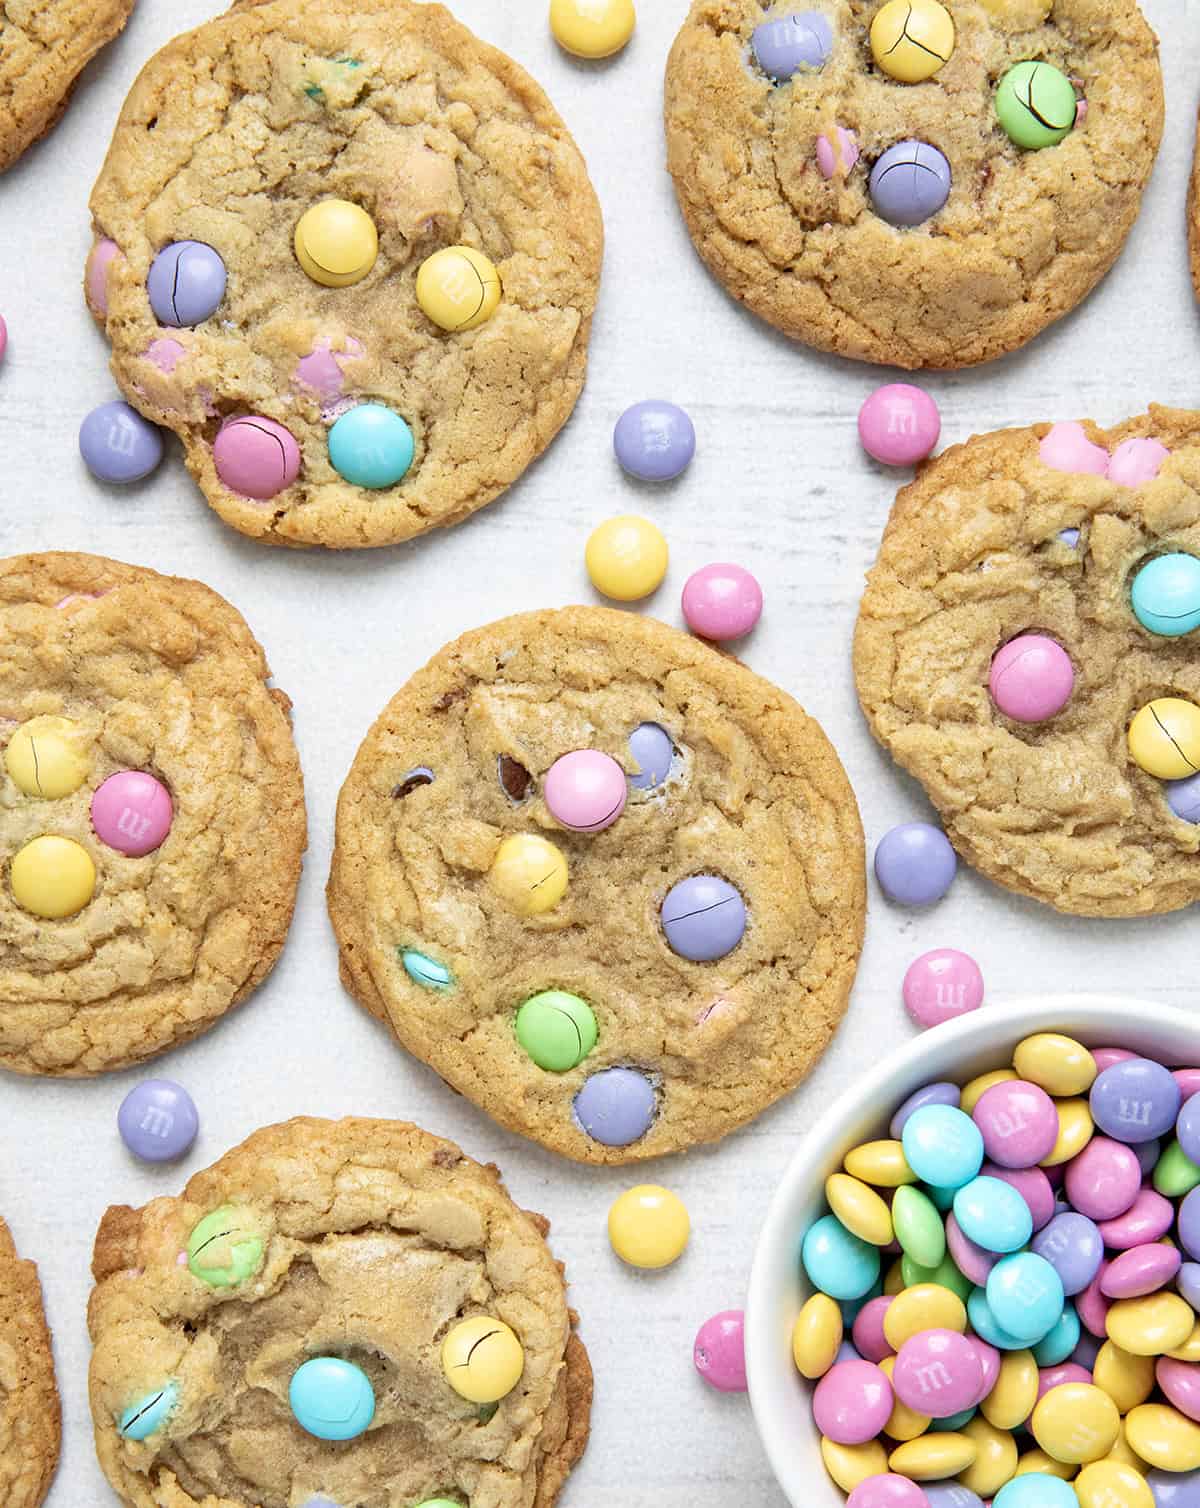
(943, 1146)
(1060, 1342)
(993, 1215)
(837, 1262)
(141, 1419)
(331, 1398)
(1036, 1489)
(1166, 595)
(988, 1327)
(371, 446)
(1025, 1295)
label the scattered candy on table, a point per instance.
(331, 1398)
(910, 183)
(648, 1226)
(722, 602)
(118, 445)
(915, 864)
(482, 1359)
(186, 284)
(940, 985)
(458, 288)
(158, 1120)
(899, 424)
(654, 440)
(1031, 678)
(592, 28)
(787, 45)
(719, 1352)
(627, 558)
(336, 243)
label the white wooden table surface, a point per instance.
(779, 484)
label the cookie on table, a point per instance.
(335, 1313)
(30, 1417)
(153, 813)
(350, 255)
(911, 183)
(44, 45)
(1194, 217)
(1010, 642)
(605, 880)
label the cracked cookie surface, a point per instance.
(373, 1239)
(230, 134)
(44, 45)
(161, 675)
(756, 796)
(30, 1416)
(970, 560)
(1024, 236)
(1194, 217)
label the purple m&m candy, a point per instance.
(118, 445)
(951, 1495)
(616, 1106)
(1073, 1247)
(132, 812)
(256, 457)
(158, 1121)
(1187, 1281)
(1187, 1126)
(186, 283)
(910, 183)
(931, 1094)
(652, 751)
(1183, 797)
(784, 46)
(915, 864)
(1189, 1225)
(703, 918)
(1135, 1100)
(719, 1352)
(654, 440)
(1174, 1489)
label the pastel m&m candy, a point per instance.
(943, 1146)
(648, 1226)
(256, 456)
(616, 1107)
(482, 1359)
(336, 243)
(592, 28)
(941, 985)
(458, 288)
(930, 1094)
(627, 558)
(186, 283)
(1073, 1246)
(1166, 595)
(915, 864)
(1025, 1295)
(859, 1208)
(1019, 1123)
(530, 873)
(912, 39)
(557, 1030)
(1164, 738)
(1066, 447)
(838, 1263)
(888, 1490)
(722, 602)
(653, 751)
(1036, 1490)
(817, 1336)
(1056, 1063)
(1140, 1270)
(719, 1351)
(371, 446)
(1076, 1423)
(132, 812)
(1031, 678)
(331, 1399)
(993, 1215)
(95, 275)
(787, 45)
(118, 445)
(1036, 105)
(426, 971)
(225, 1248)
(1103, 1180)
(585, 791)
(1135, 1100)
(1108, 1482)
(654, 440)
(703, 918)
(1137, 461)
(899, 424)
(157, 1120)
(852, 1402)
(1150, 1326)
(48, 757)
(1163, 1437)
(146, 1416)
(52, 877)
(910, 182)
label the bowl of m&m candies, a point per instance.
(979, 1281)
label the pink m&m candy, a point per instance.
(1141, 1270)
(990, 1358)
(1188, 1080)
(1031, 678)
(3, 337)
(1147, 1218)
(1106, 1056)
(585, 791)
(1018, 1122)
(852, 1402)
(719, 1353)
(722, 602)
(1137, 461)
(1103, 1180)
(938, 1373)
(1180, 1381)
(256, 457)
(899, 424)
(1033, 1186)
(1060, 1376)
(971, 1260)
(1067, 448)
(1092, 1307)
(941, 985)
(95, 275)
(888, 1491)
(132, 812)
(867, 1332)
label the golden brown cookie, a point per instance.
(44, 45)
(30, 1417)
(1193, 217)
(363, 1241)
(448, 926)
(236, 130)
(988, 544)
(111, 949)
(778, 202)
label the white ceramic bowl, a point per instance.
(957, 1051)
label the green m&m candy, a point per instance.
(945, 1275)
(1175, 1173)
(919, 1228)
(1036, 105)
(225, 1249)
(557, 1030)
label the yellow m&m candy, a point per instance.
(1075, 1423)
(627, 558)
(649, 1226)
(849, 1465)
(912, 39)
(336, 243)
(817, 1336)
(1058, 1064)
(1014, 1392)
(1164, 738)
(482, 1359)
(592, 28)
(530, 873)
(1112, 1484)
(48, 757)
(932, 1457)
(53, 877)
(881, 1163)
(996, 1459)
(860, 1209)
(458, 288)
(924, 1306)
(1150, 1326)
(1163, 1437)
(1127, 1379)
(1075, 1128)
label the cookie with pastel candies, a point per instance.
(335, 1313)
(912, 183)
(153, 813)
(358, 282)
(586, 867)
(1193, 216)
(30, 1416)
(1028, 647)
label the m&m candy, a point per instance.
(132, 812)
(915, 864)
(703, 918)
(899, 424)
(482, 1359)
(653, 751)
(654, 440)
(1031, 678)
(557, 1030)
(648, 1226)
(48, 757)
(941, 985)
(95, 275)
(910, 183)
(118, 445)
(1036, 105)
(722, 602)
(592, 28)
(912, 39)
(627, 558)
(787, 45)
(530, 873)
(1164, 738)
(186, 283)
(585, 790)
(332, 1398)
(52, 877)
(256, 456)
(158, 1121)
(719, 1351)
(146, 1416)
(1137, 461)
(225, 1248)
(1166, 595)
(336, 243)
(616, 1107)
(371, 446)
(458, 288)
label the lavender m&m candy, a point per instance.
(616, 1106)
(1189, 1224)
(118, 445)
(652, 750)
(654, 440)
(1135, 1100)
(1174, 1489)
(915, 864)
(186, 283)
(938, 1373)
(931, 1094)
(1031, 678)
(585, 791)
(1019, 1123)
(722, 602)
(1187, 1281)
(899, 424)
(1187, 1126)
(787, 44)
(158, 1121)
(703, 917)
(132, 812)
(255, 456)
(719, 1352)
(951, 1495)
(910, 183)
(1073, 1247)
(941, 985)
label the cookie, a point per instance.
(323, 1271)
(1010, 641)
(30, 1417)
(605, 880)
(44, 45)
(349, 254)
(153, 813)
(1194, 218)
(937, 223)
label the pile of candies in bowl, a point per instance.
(999, 1281)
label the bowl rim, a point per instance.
(1100, 1017)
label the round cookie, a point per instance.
(135, 710)
(30, 1416)
(44, 45)
(228, 140)
(776, 179)
(362, 1242)
(1193, 217)
(712, 913)
(1042, 532)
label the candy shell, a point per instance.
(719, 1352)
